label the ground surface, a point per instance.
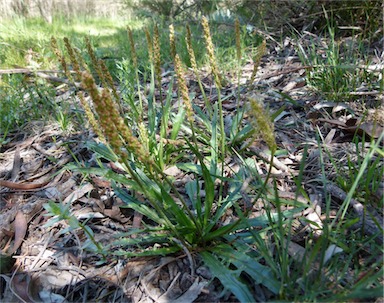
(52, 265)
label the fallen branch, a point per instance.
(42, 74)
(284, 71)
(369, 68)
(27, 71)
(57, 79)
(368, 223)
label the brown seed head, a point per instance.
(183, 89)
(156, 55)
(191, 53)
(260, 51)
(262, 123)
(149, 44)
(133, 49)
(72, 56)
(211, 52)
(172, 42)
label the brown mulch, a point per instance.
(53, 266)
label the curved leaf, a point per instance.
(228, 278)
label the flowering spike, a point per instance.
(172, 41)
(263, 124)
(183, 88)
(211, 52)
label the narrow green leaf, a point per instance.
(104, 172)
(228, 278)
(176, 210)
(142, 240)
(238, 257)
(190, 167)
(56, 209)
(208, 183)
(163, 251)
(102, 150)
(177, 122)
(275, 114)
(206, 120)
(226, 203)
(209, 193)
(135, 204)
(221, 231)
(241, 136)
(214, 144)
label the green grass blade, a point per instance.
(214, 144)
(162, 251)
(208, 183)
(193, 191)
(221, 231)
(190, 168)
(175, 210)
(177, 122)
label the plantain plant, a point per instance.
(143, 134)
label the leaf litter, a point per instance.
(52, 266)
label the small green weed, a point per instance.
(339, 68)
(22, 102)
(61, 212)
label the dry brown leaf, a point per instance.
(20, 226)
(22, 186)
(16, 289)
(296, 251)
(328, 139)
(16, 164)
(372, 130)
(78, 193)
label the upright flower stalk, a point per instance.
(156, 57)
(72, 56)
(151, 101)
(61, 58)
(211, 52)
(172, 42)
(260, 51)
(91, 118)
(238, 55)
(115, 130)
(262, 124)
(215, 71)
(192, 58)
(102, 72)
(149, 44)
(184, 89)
(238, 40)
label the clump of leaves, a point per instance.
(143, 145)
